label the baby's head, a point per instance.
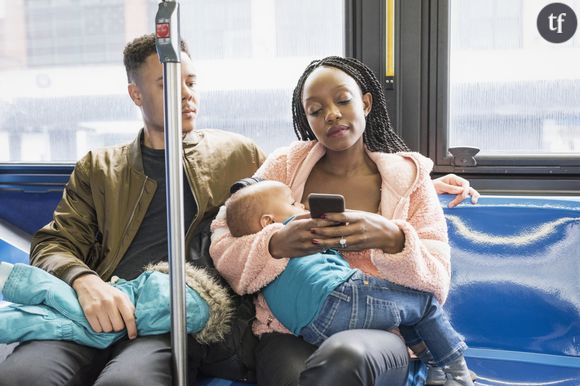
(254, 206)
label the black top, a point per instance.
(150, 242)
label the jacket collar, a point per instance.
(303, 156)
(135, 158)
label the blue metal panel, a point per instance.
(515, 293)
(29, 193)
(11, 254)
(28, 211)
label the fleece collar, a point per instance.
(400, 173)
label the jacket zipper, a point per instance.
(131, 217)
(194, 199)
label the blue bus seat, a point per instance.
(515, 292)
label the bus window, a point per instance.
(63, 85)
(510, 90)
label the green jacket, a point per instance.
(107, 196)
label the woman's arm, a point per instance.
(413, 251)
(453, 184)
(424, 261)
(245, 262)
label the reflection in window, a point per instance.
(511, 92)
(63, 85)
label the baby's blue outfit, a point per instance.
(295, 297)
(320, 294)
(46, 308)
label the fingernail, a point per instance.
(314, 241)
(323, 216)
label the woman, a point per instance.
(346, 146)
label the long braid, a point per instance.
(301, 125)
(379, 134)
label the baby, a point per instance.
(320, 294)
(43, 307)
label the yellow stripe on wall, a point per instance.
(390, 32)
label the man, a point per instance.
(112, 221)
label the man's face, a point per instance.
(147, 93)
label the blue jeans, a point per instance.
(368, 302)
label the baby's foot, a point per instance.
(435, 376)
(457, 373)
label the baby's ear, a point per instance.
(266, 219)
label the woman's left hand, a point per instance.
(453, 184)
(358, 230)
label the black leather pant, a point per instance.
(349, 358)
(59, 363)
(143, 361)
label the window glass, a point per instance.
(511, 91)
(63, 88)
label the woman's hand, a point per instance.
(295, 238)
(452, 184)
(358, 230)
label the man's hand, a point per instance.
(452, 184)
(106, 308)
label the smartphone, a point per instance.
(325, 203)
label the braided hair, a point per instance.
(379, 134)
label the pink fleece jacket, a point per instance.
(408, 198)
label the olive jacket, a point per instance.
(107, 196)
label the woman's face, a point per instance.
(335, 108)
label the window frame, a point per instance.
(423, 104)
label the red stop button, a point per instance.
(162, 30)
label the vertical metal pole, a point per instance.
(168, 49)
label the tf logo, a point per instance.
(557, 23)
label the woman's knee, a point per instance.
(358, 357)
(280, 358)
(339, 353)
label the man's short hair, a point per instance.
(137, 51)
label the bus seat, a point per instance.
(28, 210)
(515, 293)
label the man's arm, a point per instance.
(63, 248)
